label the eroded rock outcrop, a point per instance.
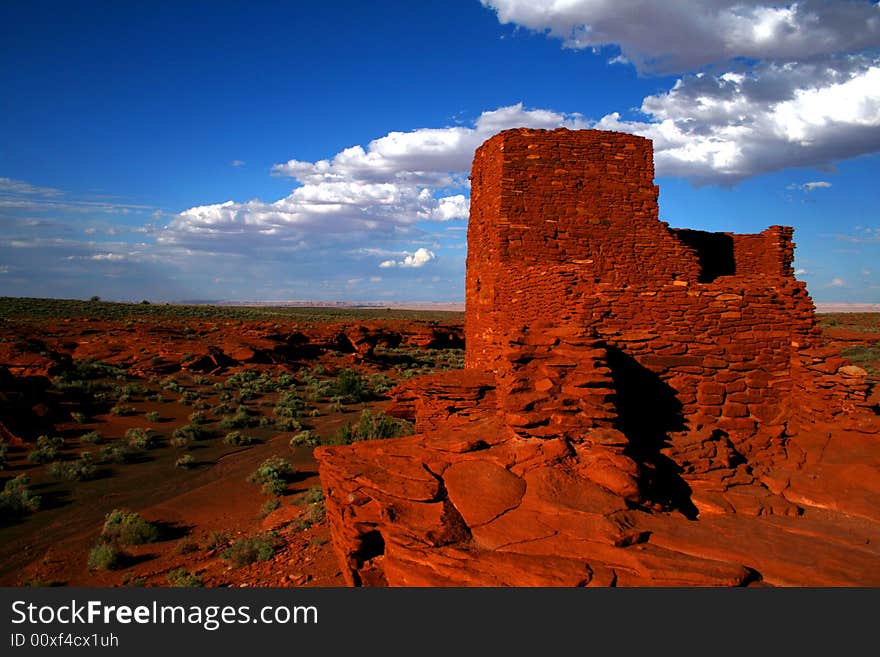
(640, 405)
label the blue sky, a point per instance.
(319, 151)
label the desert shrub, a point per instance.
(106, 556)
(119, 452)
(201, 380)
(153, 416)
(171, 384)
(266, 383)
(92, 438)
(128, 528)
(246, 394)
(181, 577)
(240, 420)
(180, 439)
(315, 515)
(141, 438)
(240, 379)
(864, 356)
(16, 499)
(186, 547)
(127, 392)
(270, 506)
(345, 435)
(122, 410)
(237, 438)
(251, 383)
(337, 405)
(272, 475)
(199, 417)
(190, 395)
(304, 439)
(216, 539)
(287, 424)
(79, 373)
(185, 462)
(223, 408)
(371, 426)
(79, 418)
(350, 385)
(312, 495)
(289, 404)
(285, 412)
(182, 436)
(82, 469)
(317, 388)
(245, 551)
(381, 383)
(46, 449)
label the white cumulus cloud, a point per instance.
(790, 84)
(723, 129)
(110, 257)
(420, 258)
(423, 157)
(378, 192)
(818, 184)
(674, 37)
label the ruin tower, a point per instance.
(564, 229)
(576, 204)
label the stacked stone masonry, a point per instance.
(617, 371)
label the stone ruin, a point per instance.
(639, 404)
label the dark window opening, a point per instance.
(714, 251)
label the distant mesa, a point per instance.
(641, 405)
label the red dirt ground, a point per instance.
(211, 503)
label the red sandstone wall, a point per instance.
(587, 198)
(583, 199)
(564, 229)
(769, 253)
(484, 260)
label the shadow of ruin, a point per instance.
(640, 405)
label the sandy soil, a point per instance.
(201, 510)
